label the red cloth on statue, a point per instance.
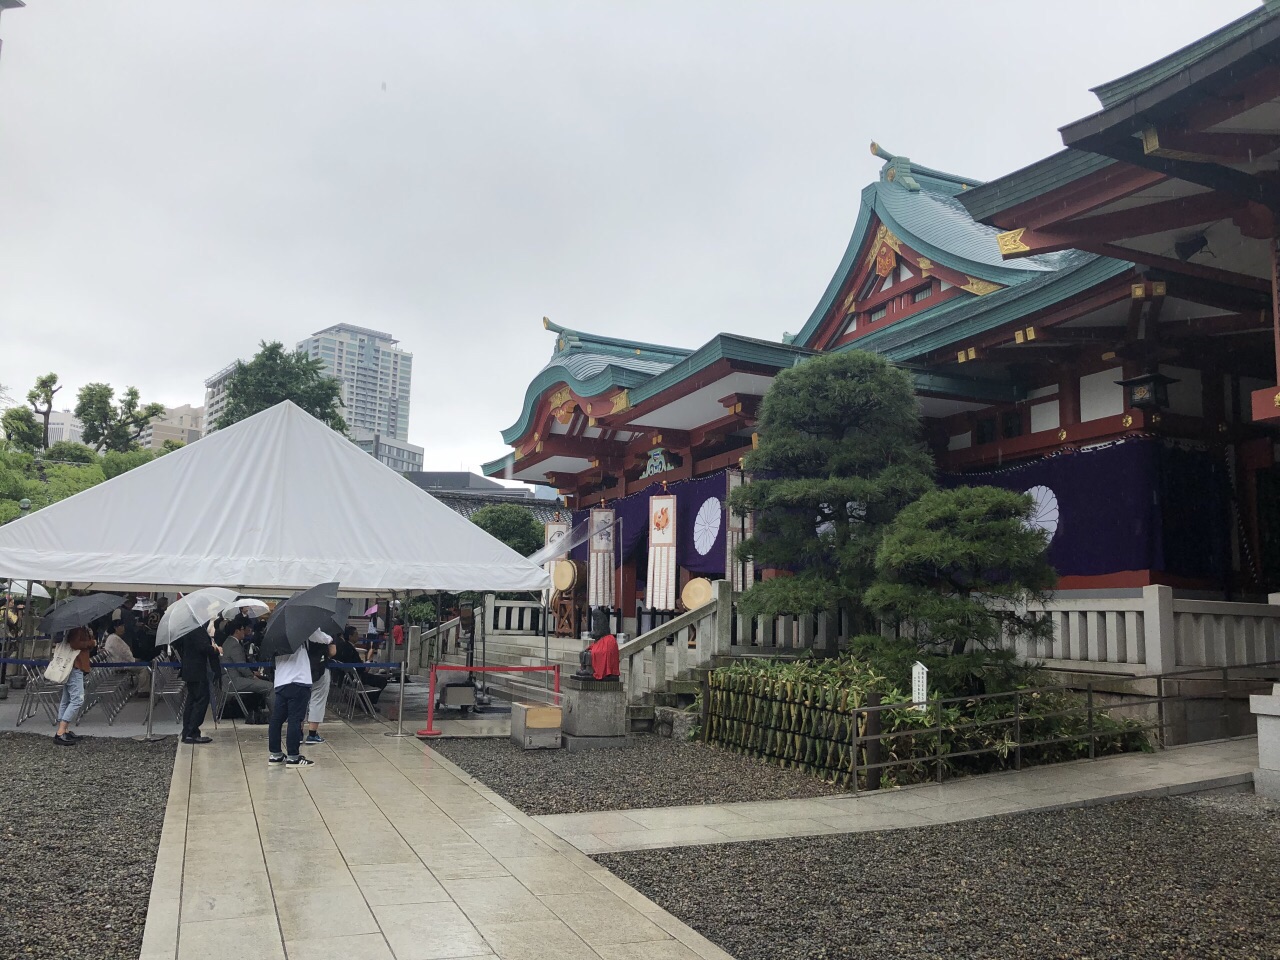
(604, 657)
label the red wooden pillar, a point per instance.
(1266, 402)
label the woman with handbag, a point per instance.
(80, 640)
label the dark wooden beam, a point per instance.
(1215, 176)
(1198, 147)
(1143, 221)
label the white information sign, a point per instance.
(920, 686)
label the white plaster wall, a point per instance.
(1100, 395)
(1045, 416)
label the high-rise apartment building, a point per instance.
(375, 375)
(215, 396)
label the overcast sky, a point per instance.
(180, 180)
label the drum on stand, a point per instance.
(569, 578)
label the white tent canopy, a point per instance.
(277, 502)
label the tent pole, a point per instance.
(408, 645)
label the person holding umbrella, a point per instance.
(81, 640)
(293, 628)
(199, 656)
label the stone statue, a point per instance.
(599, 660)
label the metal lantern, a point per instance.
(1149, 391)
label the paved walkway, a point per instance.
(381, 850)
(1178, 770)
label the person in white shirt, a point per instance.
(293, 694)
(322, 649)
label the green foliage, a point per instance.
(116, 462)
(112, 426)
(514, 525)
(68, 451)
(41, 399)
(812, 715)
(41, 482)
(273, 376)
(22, 429)
(958, 566)
(420, 610)
(840, 453)
(169, 446)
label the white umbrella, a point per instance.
(19, 589)
(192, 612)
(246, 605)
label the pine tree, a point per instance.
(840, 454)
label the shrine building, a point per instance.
(1097, 330)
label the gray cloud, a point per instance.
(180, 180)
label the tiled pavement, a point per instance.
(1209, 766)
(381, 850)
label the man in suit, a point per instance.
(199, 656)
(255, 691)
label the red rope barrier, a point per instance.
(430, 731)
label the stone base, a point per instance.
(591, 683)
(574, 744)
(673, 723)
(1266, 783)
(594, 708)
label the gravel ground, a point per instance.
(1187, 878)
(79, 827)
(652, 772)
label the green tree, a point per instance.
(275, 375)
(41, 482)
(511, 523)
(41, 399)
(22, 429)
(116, 462)
(169, 446)
(110, 425)
(957, 567)
(68, 451)
(840, 453)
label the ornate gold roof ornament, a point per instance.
(1010, 242)
(980, 287)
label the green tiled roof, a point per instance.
(1031, 181)
(957, 320)
(924, 209)
(1139, 81)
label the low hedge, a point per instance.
(804, 714)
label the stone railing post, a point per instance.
(1159, 629)
(722, 620)
(1266, 779)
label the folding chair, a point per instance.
(170, 690)
(38, 693)
(354, 693)
(109, 688)
(227, 692)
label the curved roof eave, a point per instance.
(873, 205)
(608, 378)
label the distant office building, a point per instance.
(64, 425)
(184, 424)
(375, 376)
(215, 396)
(399, 455)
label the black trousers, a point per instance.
(291, 703)
(197, 704)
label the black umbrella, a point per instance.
(295, 619)
(340, 614)
(78, 611)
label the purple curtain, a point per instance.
(1108, 510)
(633, 512)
